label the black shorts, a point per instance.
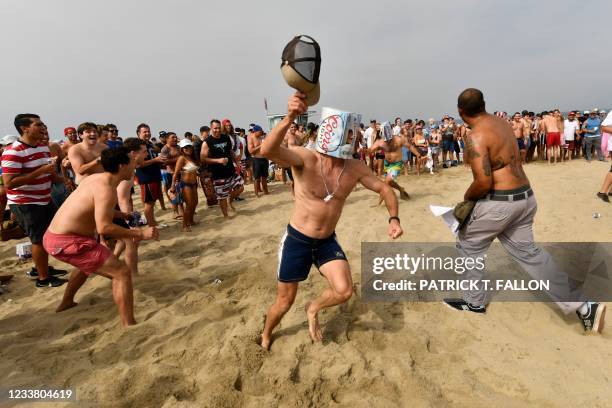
(521, 143)
(34, 219)
(299, 252)
(260, 167)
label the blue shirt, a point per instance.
(152, 172)
(113, 144)
(593, 124)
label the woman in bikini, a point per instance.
(421, 144)
(187, 167)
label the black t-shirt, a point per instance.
(217, 149)
(152, 172)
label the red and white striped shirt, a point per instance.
(21, 159)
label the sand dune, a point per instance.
(195, 344)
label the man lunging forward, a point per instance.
(89, 209)
(322, 185)
(505, 209)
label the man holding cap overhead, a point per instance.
(323, 180)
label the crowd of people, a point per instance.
(48, 185)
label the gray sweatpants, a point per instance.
(512, 224)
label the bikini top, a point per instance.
(190, 167)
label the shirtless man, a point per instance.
(85, 156)
(393, 160)
(260, 163)
(505, 209)
(71, 235)
(72, 139)
(322, 185)
(518, 127)
(550, 124)
(527, 135)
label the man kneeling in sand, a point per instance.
(322, 184)
(71, 236)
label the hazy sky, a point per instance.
(177, 64)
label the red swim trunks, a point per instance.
(150, 192)
(84, 253)
(553, 139)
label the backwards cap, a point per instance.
(301, 65)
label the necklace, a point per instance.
(329, 195)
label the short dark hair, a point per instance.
(215, 121)
(132, 144)
(25, 120)
(112, 125)
(204, 129)
(168, 134)
(107, 128)
(142, 125)
(188, 134)
(112, 158)
(86, 126)
(471, 102)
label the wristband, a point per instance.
(394, 218)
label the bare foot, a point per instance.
(404, 195)
(265, 342)
(65, 306)
(187, 229)
(313, 324)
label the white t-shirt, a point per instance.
(569, 129)
(397, 130)
(241, 142)
(368, 136)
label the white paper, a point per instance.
(447, 216)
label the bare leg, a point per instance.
(285, 295)
(123, 293)
(41, 261)
(264, 185)
(607, 184)
(392, 183)
(223, 205)
(340, 290)
(150, 214)
(76, 280)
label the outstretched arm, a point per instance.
(371, 182)
(272, 148)
(477, 155)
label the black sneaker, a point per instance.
(50, 282)
(445, 166)
(604, 197)
(33, 273)
(460, 304)
(593, 321)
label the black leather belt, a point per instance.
(510, 197)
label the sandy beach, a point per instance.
(201, 298)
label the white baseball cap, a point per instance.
(586, 112)
(185, 143)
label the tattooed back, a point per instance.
(492, 147)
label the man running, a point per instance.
(322, 185)
(71, 236)
(393, 160)
(505, 209)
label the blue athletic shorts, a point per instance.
(297, 253)
(448, 145)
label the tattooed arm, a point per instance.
(477, 155)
